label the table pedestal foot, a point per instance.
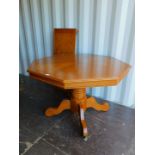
(92, 103)
(83, 123)
(78, 104)
(64, 105)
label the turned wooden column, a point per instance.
(78, 99)
(79, 104)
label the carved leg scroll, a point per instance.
(78, 104)
(64, 105)
(92, 103)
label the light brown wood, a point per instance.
(79, 103)
(92, 103)
(70, 71)
(78, 98)
(64, 40)
(67, 70)
(64, 105)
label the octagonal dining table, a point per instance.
(78, 72)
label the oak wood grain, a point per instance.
(68, 70)
(78, 103)
(71, 71)
(64, 40)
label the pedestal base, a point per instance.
(78, 103)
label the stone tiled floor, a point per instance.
(111, 133)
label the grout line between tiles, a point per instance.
(55, 147)
(30, 145)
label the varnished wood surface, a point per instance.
(71, 71)
(64, 40)
(78, 104)
(92, 103)
(64, 105)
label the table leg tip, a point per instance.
(85, 138)
(49, 112)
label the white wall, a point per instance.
(106, 27)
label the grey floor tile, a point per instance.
(44, 148)
(34, 98)
(111, 133)
(103, 139)
(26, 137)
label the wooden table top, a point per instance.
(70, 71)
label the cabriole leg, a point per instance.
(64, 105)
